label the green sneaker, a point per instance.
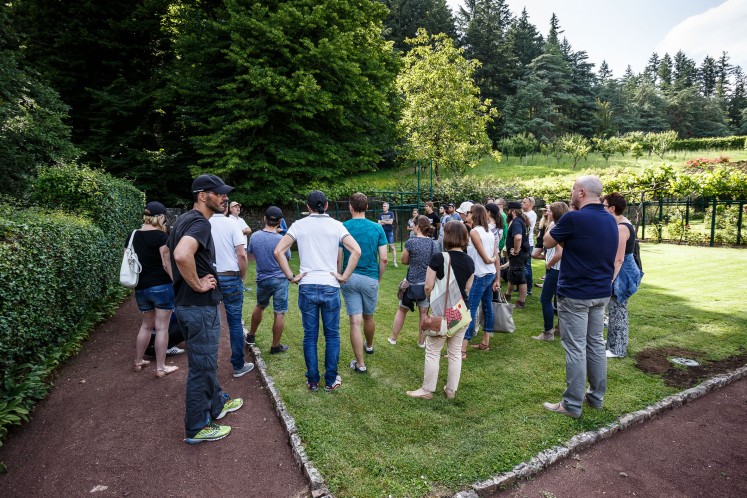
(230, 406)
(211, 432)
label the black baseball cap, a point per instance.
(154, 208)
(514, 205)
(210, 183)
(494, 210)
(273, 213)
(317, 200)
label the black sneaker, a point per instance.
(354, 366)
(280, 348)
(367, 349)
(250, 339)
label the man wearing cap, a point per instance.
(527, 205)
(318, 237)
(196, 299)
(361, 291)
(589, 237)
(234, 211)
(271, 282)
(230, 259)
(517, 244)
(463, 209)
(387, 219)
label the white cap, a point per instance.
(464, 207)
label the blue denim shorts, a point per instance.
(157, 297)
(277, 288)
(389, 236)
(361, 294)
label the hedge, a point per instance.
(717, 143)
(59, 264)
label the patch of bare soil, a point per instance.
(657, 361)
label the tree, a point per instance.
(652, 68)
(707, 76)
(32, 128)
(293, 91)
(660, 143)
(443, 117)
(524, 41)
(665, 72)
(576, 146)
(406, 16)
(685, 72)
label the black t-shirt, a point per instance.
(518, 227)
(461, 264)
(434, 219)
(194, 224)
(147, 245)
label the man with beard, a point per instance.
(196, 301)
(589, 236)
(517, 244)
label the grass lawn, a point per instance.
(370, 439)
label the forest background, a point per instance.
(276, 96)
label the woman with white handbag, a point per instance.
(450, 267)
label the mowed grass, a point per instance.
(369, 439)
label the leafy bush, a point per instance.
(690, 144)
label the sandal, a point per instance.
(163, 372)
(139, 365)
(481, 346)
(464, 355)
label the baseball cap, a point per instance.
(464, 207)
(234, 203)
(154, 208)
(273, 213)
(514, 205)
(494, 210)
(451, 204)
(317, 200)
(210, 183)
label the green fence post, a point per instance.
(739, 223)
(643, 221)
(713, 223)
(687, 211)
(431, 198)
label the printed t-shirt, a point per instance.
(147, 245)
(420, 249)
(193, 224)
(262, 244)
(590, 239)
(461, 264)
(318, 237)
(226, 236)
(369, 236)
(389, 215)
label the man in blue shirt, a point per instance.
(361, 291)
(589, 237)
(387, 219)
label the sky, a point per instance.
(627, 33)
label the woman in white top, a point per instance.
(482, 249)
(552, 271)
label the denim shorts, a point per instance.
(277, 288)
(389, 236)
(159, 297)
(361, 294)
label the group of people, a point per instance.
(587, 249)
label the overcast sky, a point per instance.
(629, 32)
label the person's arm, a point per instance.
(340, 258)
(548, 241)
(383, 260)
(516, 245)
(430, 281)
(497, 280)
(280, 256)
(184, 257)
(555, 257)
(166, 260)
(355, 254)
(477, 242)
(405, 256)
(468, 286)
(623, 235)
(242, 260)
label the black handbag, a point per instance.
(416, 292)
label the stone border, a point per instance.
(584, 440)
(317, 484)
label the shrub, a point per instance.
(721, 143)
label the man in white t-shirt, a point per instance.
(318, 237)
(234, 211)
(230, 262)
(527, 205)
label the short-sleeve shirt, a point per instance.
(369, 236)
(147, 245)
(421, 250)
(461, 264)
(434, 221)
(262, 244)
(243, 226)
(590, 238)
(226, 236)
(504, 235)
(194, 224)
(318, 237)
(518, 227)
(389, 215)
(532, 216)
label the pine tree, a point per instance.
(685, 73)
(651, 72)
(738, 103)
(665, 72)
(707, 76)
(406, 16)
(525, 42)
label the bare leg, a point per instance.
(162, 337)
(143, 335)
(369, 327)
(523, 292)
(256, 320)
(399, 320)
(277, 327)
(356, 341)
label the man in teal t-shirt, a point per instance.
(361, 291)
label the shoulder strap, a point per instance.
(132, 239)
(447, 261)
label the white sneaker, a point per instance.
(610, 354)
(174, 350)
(391, 341)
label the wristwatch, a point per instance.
(291, 278)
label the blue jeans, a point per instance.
(233, 300)
(275, 288)
(313, 299)
(204, 401)
(549, 288)
(481, 292)
(528, 271)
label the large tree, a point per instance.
(282, 93)
(443, 117)
(406, 16)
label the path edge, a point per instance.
(316, 481)
(582, 441)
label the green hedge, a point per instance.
(716, 143)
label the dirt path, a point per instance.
(699, 449)
(104, 425)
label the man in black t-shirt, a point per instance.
(196, 299)
(517, 244)
(435, 219)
